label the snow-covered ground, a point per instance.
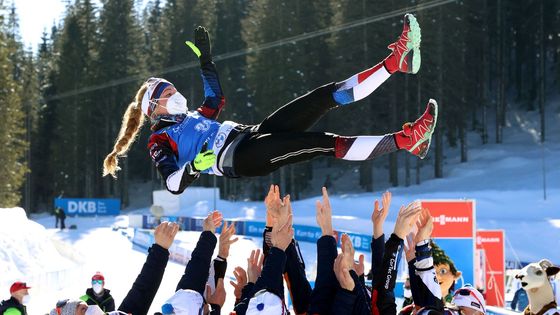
(505, 180)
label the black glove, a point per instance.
(202, 42)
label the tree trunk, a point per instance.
(542, 77)
(438, 169)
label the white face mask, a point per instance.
(177, 104)
(25, 299)
(407, 293)
(97, 288)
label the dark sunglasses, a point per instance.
(96, 281)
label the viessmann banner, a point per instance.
(88, 207)
(492, 243)
(455, 232)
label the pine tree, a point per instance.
(12, 130)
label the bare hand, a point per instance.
(282, 233)
(425, 226)
(410, 251)
(219, 296)
(212, 221)
(324, 214)
(254, 265)
(342, 273)
(225, 240)
(165, 234)
(359, 266)
(273, 203)
(241, 281)
(348, 251)
(406, 219)
(378, 215)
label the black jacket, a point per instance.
(105, 302)
(144, 289)
(298, 285)
(12, 303)
(270, 280)
(326, 284)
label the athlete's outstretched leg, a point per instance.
(262, 153)
(405, 57)
(303, 112)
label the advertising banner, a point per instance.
(454, 232)
(493, 245)
(88, 207)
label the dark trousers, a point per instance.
(281, 138)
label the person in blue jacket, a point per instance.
(186, 143)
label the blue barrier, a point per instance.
(302, 233)
(88, 207)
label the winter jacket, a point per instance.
(326, 284)
(144, 289)
(270, 280)
(12, 306)
(105, 301)
(197, 269)
(426, 291)
(294, 273)
(173, 146)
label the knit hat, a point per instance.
(440, 257)
(16, 286)
(69, 308)
(468, 296)
(264, 302)
(184, 302)
(155, 88)
(98, 276)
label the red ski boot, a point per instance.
(417, 136)
(406, 50)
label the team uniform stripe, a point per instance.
(371, 83)
(362, 147)
(299, 152)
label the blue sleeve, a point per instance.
(214, 99)
(326, 284)
(198, 267)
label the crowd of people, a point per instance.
(340, 286)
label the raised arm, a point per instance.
(143, 291)
(214, 99)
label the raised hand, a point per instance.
(225, 240)
(254, 265)
(212, 221)
(240, 281)
(273, 203)
(165, 233)
(410, 249)
(342, 273)
(282, 232)
(379, 215)
(348, 251)
(406, 219)
(425, 226)
(359, 266)
(324, 214)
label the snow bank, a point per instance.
(27, 252)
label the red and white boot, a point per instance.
(406, 50)
(417, 136)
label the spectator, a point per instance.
(140, 296)
(70, 307)
(98, 295)
(59, 215)
(15, 305)
(520, 300)
(407, 294)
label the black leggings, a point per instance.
(281, 138)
